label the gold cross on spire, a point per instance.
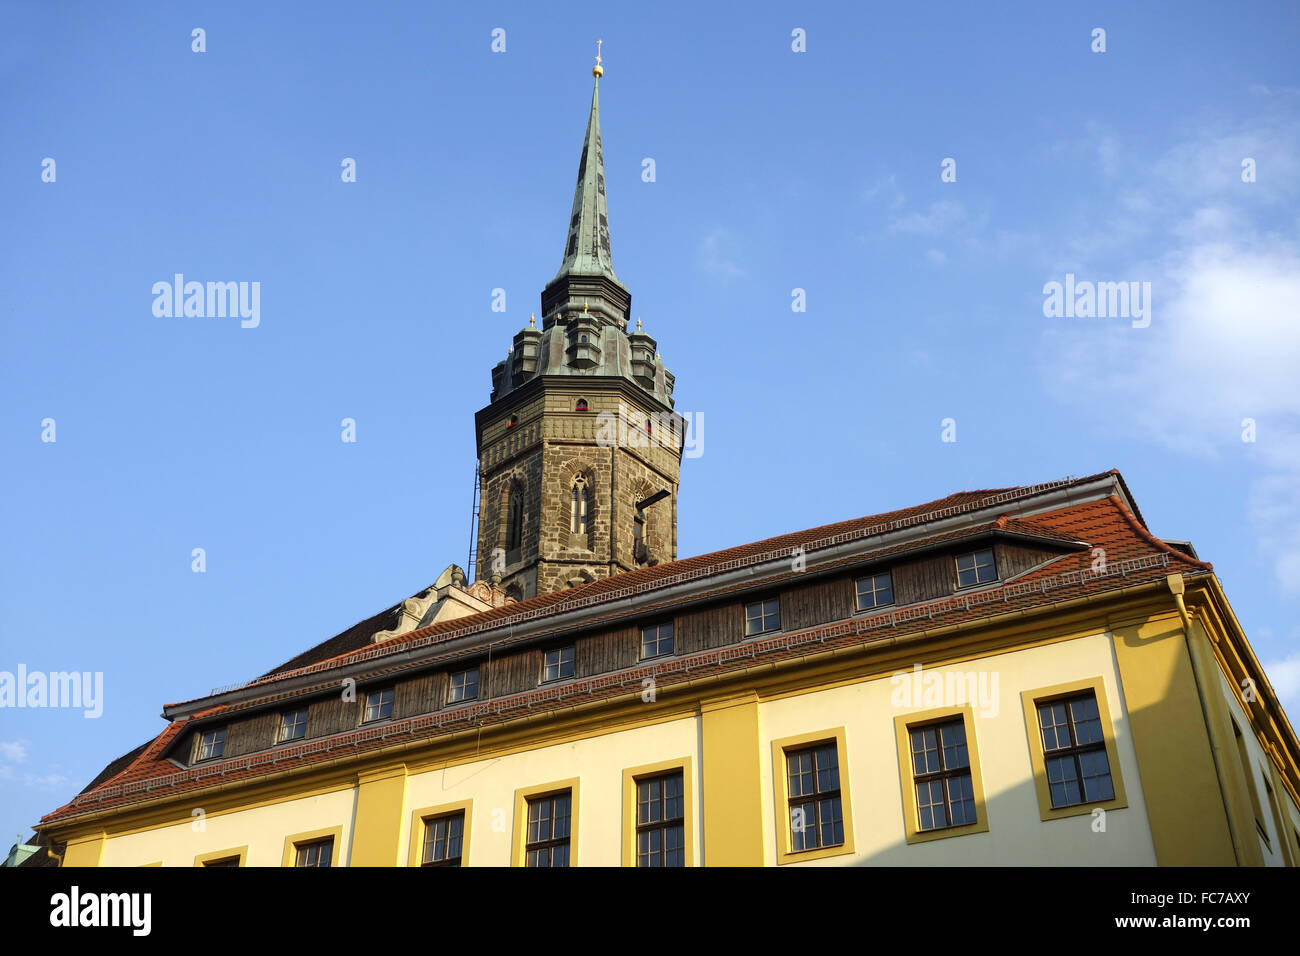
(598, 71)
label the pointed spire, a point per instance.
(586, 250)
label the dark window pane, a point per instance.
(814, 772)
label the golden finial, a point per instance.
(638, 323)
(532, 321)
(584, 306)
(598, 71)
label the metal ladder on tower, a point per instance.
(470, 571)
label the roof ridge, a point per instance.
(1151, 539)
(644, 579)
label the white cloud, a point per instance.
(1284, 674)
(885, 191)
(1224, 339)
(1211, 166)
(1108, 155)
(13, 751)
(47, 781)
(942, 217)
(718, 254)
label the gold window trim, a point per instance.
(1030, 700)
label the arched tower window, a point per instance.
(638, 539)
(580, 405)
(579, 500)
(514, 521)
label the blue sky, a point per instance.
(775, 170)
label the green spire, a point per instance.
(586, 251)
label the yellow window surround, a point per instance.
(420, 818)
(518, 849)
(903, 725)
(238, 852)
(630, 777)
(1030, 699)
(292, 842)
(781, 794)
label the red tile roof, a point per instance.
(1132, 554)
(356, 641)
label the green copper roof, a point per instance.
(586, 251)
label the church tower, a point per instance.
(579, 449)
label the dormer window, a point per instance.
(977, 567)
(379, 705)
(212, 744)
(763, 616)
(557, 663)
(875, 590)
(293, 725)
(464, 686)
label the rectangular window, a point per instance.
(212, 744)
(1272, 806)
(444, 838)
(661, 821)
(816, 813)
(976, 568)
(315, 853)
(763, 616)
(657, 640)
(464, 686)
(224, 861)
(1074, 751)
(875, 590)
(293, 725)
(379, 705)
(945, 794)
(549, 826)
(1244, 755)
(557, 664)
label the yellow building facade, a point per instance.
(1196, 783)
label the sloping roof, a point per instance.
(116, 766)
(1131, 551)
(587, 249)
(671, 569)
(357, 636)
